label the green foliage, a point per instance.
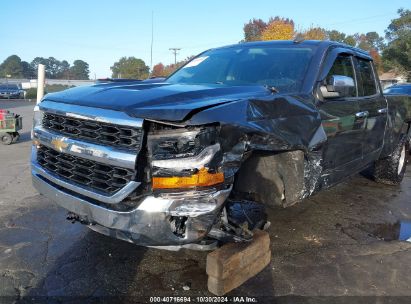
(28, 71)
(32, 93)
(350, 40)
(399, 26)
(55, 69)
(11, 67)
(79, 70)
(397, 54)
(369, 41)
(130, 67)
(335, 35)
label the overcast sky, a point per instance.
(100, 31)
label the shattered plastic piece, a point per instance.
(187, 286)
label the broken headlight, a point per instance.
(183, 158)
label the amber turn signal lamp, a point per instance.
(202, 178)
(36, 143)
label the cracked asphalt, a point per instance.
(322, 247)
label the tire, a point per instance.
(6, 138)
(390, 170)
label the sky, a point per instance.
(100, 31)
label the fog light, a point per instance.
(202, 178)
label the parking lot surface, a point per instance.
(341, 242)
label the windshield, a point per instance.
(8, 87)
(280, 67)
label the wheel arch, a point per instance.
(276, 178)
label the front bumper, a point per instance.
(9, 95)
(148, 224)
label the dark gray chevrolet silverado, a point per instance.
(190, 161)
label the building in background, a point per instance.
(392, 77)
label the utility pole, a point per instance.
(41, 76)
(175, 50)
(152, 39)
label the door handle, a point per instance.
(382, 111)
(362, 114)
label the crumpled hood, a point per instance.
(157, 101)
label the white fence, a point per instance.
(32, 83)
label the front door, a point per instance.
(343, 123)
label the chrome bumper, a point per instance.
(148, 224)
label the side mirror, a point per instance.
(338, 86)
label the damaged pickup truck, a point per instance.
(191, 161)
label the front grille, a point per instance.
(86, 173)
(95, 131)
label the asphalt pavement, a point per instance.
(342, 243)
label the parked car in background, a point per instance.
(400, 88)
(11, 90)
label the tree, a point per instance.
(279, 29)
(27, 70)
(350, 40)
(375, 40)
(253, 30)
(63, 70)
(130, 67)
(158, 70)
(11, 66)
(399, 26)
(397, 54)
(315, 33)
(79, 70)
(337, 36)
(377, 60)
(39, 60)
(52, 67)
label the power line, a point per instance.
(360, 19)
(175, 50)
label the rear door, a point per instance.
(374, 106)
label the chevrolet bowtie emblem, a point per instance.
(58, 144)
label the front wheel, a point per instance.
(6, 138)
(391, 169)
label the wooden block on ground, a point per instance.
(231, 265)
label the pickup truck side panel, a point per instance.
(398, 119)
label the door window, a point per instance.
(366, 82)
(343, 66)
